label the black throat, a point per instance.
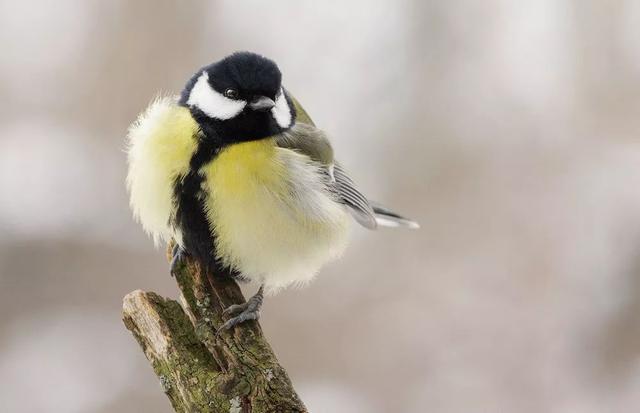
(248, 125)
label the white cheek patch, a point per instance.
(281, 111)
(212, 103)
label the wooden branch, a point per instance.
(235, 372)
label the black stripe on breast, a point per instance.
(190, 217)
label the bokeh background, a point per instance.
(509, 129)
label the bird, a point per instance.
(236, 174)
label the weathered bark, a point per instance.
(199, 371)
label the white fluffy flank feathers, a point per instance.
(160, 145)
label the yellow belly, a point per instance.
(269, 222)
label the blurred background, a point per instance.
(509, 130)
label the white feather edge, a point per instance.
(396, 222)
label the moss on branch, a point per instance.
(200, 371)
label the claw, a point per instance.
(240, 318)
(235, 309)
(245, 312)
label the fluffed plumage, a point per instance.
(238, 175)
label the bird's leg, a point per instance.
(247, 311)
(178, 254)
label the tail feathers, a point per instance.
(387, 218)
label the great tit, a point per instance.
(236, 173)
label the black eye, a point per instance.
(231, 93)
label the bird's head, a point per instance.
(239, 98)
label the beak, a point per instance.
(262, 104)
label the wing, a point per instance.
(160, 144)
(305, 138)
(358, 204)
(368, 213)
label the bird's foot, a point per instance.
(243, 312)
(178, 255)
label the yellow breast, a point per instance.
(260, 214)
(240, 169)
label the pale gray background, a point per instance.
(509, 129)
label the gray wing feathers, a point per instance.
(311, 141)
(368, 213)
(358, 204)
